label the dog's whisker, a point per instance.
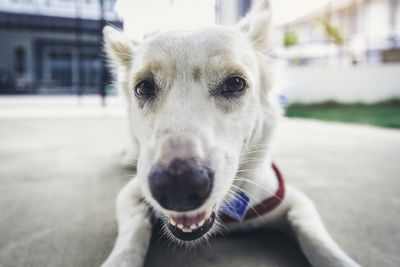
(254, 152)
(166, 234)
(251, 155)
(256, 146)
(145, 50)
(218, 228)
(163, 233)
(207, 241)
(246, 192)
(259, 149)
(243, 179)
(254, 157)
(257, 40)
(244, 170)
(220, 224)
(253, 148)
(132, 163)
(247, 155)
(252, 160)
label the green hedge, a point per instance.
(384, 114)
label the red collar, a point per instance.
(267, 205)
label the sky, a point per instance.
(143, 17)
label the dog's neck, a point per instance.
(258, 180)
(256, 166)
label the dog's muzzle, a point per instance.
(189, 228)
(183, 186)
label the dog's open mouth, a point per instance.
(189, 228)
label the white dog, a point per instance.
(201, 116)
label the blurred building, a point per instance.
(344, 32)
(337, 36)
(53, 46)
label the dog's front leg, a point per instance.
(130, 155)
(134, 229)
(319, 247)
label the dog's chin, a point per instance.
(190, 227)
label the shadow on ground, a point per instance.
(251, 248)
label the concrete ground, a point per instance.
(59, 178)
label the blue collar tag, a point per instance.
(237, 207)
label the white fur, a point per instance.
(233, 137)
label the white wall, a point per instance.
(366, 84)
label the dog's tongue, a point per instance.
(187, 221)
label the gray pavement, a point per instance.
(59, 179)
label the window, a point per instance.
(89, 69)
(19, 60)
(70, 67)
(61, 67)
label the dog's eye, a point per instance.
(145, 89)
(233, 85)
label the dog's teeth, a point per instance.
(172, 222)
(180, 226)
(193, 226)
(186, 230)
(201, 223)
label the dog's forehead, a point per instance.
(192, 46)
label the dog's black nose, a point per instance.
(182, 186)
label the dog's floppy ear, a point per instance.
(256, 25)
(119, 48)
